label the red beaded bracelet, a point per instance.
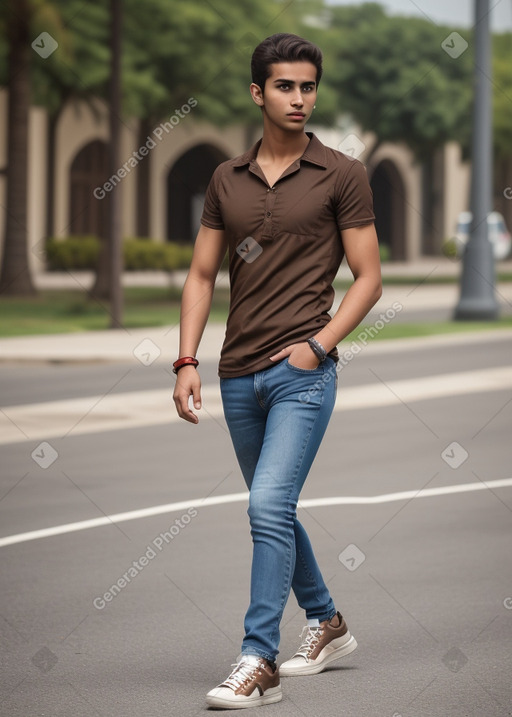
(184, 361)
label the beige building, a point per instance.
(165, 170)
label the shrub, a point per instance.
(139, 254)
(450, 248)
(385, 252)
(72, 253)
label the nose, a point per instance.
(297, 100)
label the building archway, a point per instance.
(89, 169)
(186, 186)
(389, 206)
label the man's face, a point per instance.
(290, 94)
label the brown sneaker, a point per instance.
(253, 682)
(320, 646)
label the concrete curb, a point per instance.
(159, 345)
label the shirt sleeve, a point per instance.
(354, 198)
(212, 215)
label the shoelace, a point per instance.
(243, 671)
(309, 636)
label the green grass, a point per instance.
(71, 311)
(402, 330)
(417, 280)
(64, 311)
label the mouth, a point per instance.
(296, 115)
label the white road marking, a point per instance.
(118, 411)
(238, 497)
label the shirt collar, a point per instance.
(315, 153)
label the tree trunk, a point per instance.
(143, 182)
(101, 287)
(15, 276)
(53, 122)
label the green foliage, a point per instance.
(172, 50)
(80, 253)
(394, 78)
(449, 248)
(502, 83)
(144, 254)
(384, 252)
(79, 68)
(389, 73)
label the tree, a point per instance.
(173, 51)
(389, 74)
(502, 82)
(15, 277)
(177, 51)
(76, 72)
(394, 78)
(19, 19)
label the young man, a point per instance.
(287, 210)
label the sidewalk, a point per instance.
(148, 345)
(426, 268)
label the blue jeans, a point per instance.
(277, 419)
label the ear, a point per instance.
(257, 94)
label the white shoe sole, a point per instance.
(273, 694)
(332, 651)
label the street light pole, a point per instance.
(477, 298)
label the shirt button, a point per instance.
(269, 214)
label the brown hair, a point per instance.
(283, 47)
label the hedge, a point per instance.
(82, 252)
(384, 252)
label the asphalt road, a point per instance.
(424, 582)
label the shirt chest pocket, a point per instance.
(301, 214)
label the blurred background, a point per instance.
(396, 93)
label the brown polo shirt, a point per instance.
(285, 247)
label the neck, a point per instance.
(277, 144)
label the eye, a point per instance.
(308, 88)
(284, 86)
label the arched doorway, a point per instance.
(88, 215)
(389, 206)
(186, 185)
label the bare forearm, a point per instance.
(196, 302)
(357, 302)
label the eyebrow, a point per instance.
(292, 82)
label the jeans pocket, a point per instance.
(319, 369)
